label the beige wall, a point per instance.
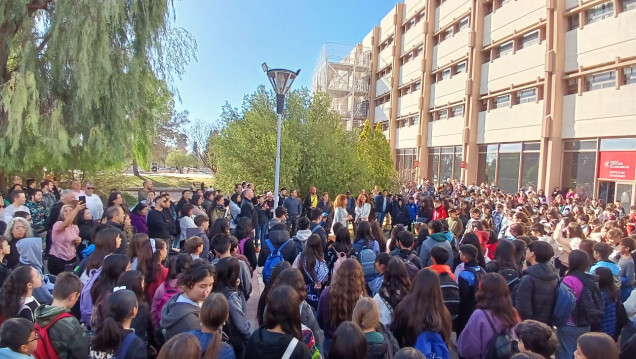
(511, 124)
(514, 15)
(449, 11)
(526, 65)
(445, 132)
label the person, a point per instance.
(278, 236)
(262, 300)
(505, 263)
(363, 208)
(380, 342)
(349, 342)
(341, 248)
(311, 200)
(409, 353)
(316, 218)
(340, 213)
(468, 283)
(38, 212)
(176, 266)
(18, 201)
(537, 289)
(626, 267)
(366, 249)
(93, 202)
(5, 249)
(113, 336)
(107, 241)
(350, 204)
(395, 286)
(595, 346)
(455, 225)
(17, 292)
(248, 208)
(439, 211)
(326, 208)
(18, 339)
(64, 239)
(142, 194)
(382, 206)
(139, 218)
(601, 253)
(569, 242)
(68, 338)
(67, 198)
(400, 213)
(302, 234)
(193, 246)
(186, 195)
(536, 337)
(404, 250)
(450, 289)
(17, 229)
(197, 201)
(245, 234)
(614, 316)
(186, 221)
(262, 215)
(160, 222)
(134, 281)
(227, 282)
(337, 301)
(101, 289)
(282, 195)
(86, 226)
(313, 267)
(181, 313)
(493, 315)
(48, 197)
(218, 210)
(294, 209)
(436, 238)
(183, 346)
(221, 245)
(212, 341)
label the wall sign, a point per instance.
(618, 165)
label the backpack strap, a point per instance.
(123, 350)
(270, 246)
(290, 348)
(55, 320)
(316, 227)
(281, 246)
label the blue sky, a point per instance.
(235, 37)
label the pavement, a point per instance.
(251, 307)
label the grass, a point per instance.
(167, 180)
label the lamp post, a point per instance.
(281, 81)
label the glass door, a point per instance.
(606, 191)
(624, 194)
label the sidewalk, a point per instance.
(251, 306)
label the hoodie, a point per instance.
(179, 317)
(435, 240)
(272, 222)
(264, 344)
(67, 336)
(139, 222)
(30, 250)
(300, 239)
(277, 238)
(443, 268)
(536, 292)
(205, 339)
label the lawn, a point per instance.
(167, 180)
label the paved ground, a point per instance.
(252, 303)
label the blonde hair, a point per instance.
(341, 201)
(366, 313)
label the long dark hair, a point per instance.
(282, 309)
(578, 262)
(376, 232)
(112, 197)
(346, 288)
(606, 282)
(219, 226)
(262, 301)
(493, 295)
(214, 312)
(244, 228)
(343, 241)
(133, 280)
(177, 264)
(105, 244)
(313, 253)
(108, 334)
(471, 238)
(396, 284)
(423, 309)
(348, 342)
(141, 248)
(227, 273)
(14, 288)
(363, 231)
(114, 266)
(505, 255)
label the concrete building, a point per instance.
(515, 92)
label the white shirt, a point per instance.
(78, 194)
(95, 206)
(10, 211)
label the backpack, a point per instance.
(564, 303)
(273, 259)
(298, 244)
(590, 308)
(411, 268)
(450, 293)
(512, 278)
(503, 346)
(45, 349)
(342, 257)
(168, 293)
(241, 246)
(432, 345)
(123, 349)
(478, 275)
(366, 257)
(86, 299)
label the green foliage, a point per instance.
(315, 149)
(374, 152)
(83, 82)
(180, 159)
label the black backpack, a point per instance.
(512, 278)
(502, 346)
(589, 309)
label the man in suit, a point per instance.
(382, 205)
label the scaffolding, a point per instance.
(344, 72)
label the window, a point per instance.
(415, 120)
(505, 49)
(573, 22)
(572, 86)
(502, 101)
(601, 80)
(448, 33)
(443, 114)
(446, 74)
(630, 74)
(486, 56)
(529, 95)
(484, 105)
(458, 111)
(463, 24)
(530, 39)
(629, 5)
(599, 12)
(418, 85)
(461, 67)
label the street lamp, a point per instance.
(281, 81)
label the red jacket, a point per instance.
(439, 213)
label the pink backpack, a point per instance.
(342, 257)
(168, 293)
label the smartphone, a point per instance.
(82, 199)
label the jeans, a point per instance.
(261, 235)
(381, 216)
(568, 335)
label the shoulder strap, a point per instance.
(316, 227)
(283, 246)
(61, 316)
(126, 344)
(290, 348)
(492, 326)
(389, 346)
(270, 246)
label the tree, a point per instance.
(181, 159)
(374, 151)
(75, 80)
(169, 134)
(199, 135)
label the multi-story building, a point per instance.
(516, 92)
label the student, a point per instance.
(181, 313)
(227, 282)
(68, 338)
(202, 222)
(405, 243)
(450, 290)
(222, 247)
(505, 264)
(422, 316)
(114, 336)
(262, 300)
(455, 225)
(435, 239)
(213, 342)
(626, 266)
(17, 290)
(381, 261)
(245, 234)
(182, 346)
(468, 283)
(280, 332)
(278, 236)
(380, 342)
(114, 266)
(439, 211)
(312, 265)
(158, 273)
(494, 314)
(349, 342)
(167, 289)
(366, 249)
(18, 338)
(341, 248)
(409, 353)
(134, 281)
(5, 249)
(602, 252)
(193, 246)
(536, 337)
(614, 316)
(595, 346)
(395, 286)
(536, 290)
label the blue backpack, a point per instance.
(564, 304)
(431, 345)
(123, 349)
(273, 259)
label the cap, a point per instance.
(348, 192)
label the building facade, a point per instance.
(516, 92)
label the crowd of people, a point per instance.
(424, 273)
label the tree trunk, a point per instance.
(135, 166)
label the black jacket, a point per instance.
(405, 253)
(277, 238)
(264, 344)
(248, 211)
(379, 203)
(159, 224)
(400, 215)
(536, 292)
(381, 350)
(54, 215)
(317, 229)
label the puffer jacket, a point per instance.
(380, 350)
(536, 292)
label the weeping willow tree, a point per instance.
(83, 82)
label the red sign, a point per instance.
(462, 164)
(416, 163)
(618, 165)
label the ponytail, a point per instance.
(212, 352)
(108, 334)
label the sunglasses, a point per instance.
(90, 187)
